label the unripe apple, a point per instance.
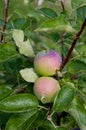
(45, 88)
(47, 62)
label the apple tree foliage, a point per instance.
(33, 26)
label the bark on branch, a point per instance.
(73, 44)
(62, 5)
(5, 20)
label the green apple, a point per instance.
(46, 63)
(45, 88)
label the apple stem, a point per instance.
(5, 20)
(49, 118)
(42, 107)
(73, 44)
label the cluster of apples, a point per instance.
(46, 63)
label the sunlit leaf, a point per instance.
(19, 103)
(24, 46)
(26, 49)
(18, 36)
(57, 24)
(29, 75)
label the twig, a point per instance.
(73, 44)
(62, 41)
(19, 90)
(5, 20)
(62, 36)
(62, 5)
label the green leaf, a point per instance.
(29, 75)
(48, 12)
(7, 27)
(78, 111)
(25, 47)
(18, 121)
(81, 13)
(26, 121)
(76, 66)
(28, 22)
(61, 128)
(63, 98)
(18, 23)
(57, 24)
(76, 4)
(42, 115)
(7, 51)
(1, 23)
(18, 103)
(32, 13)
(5, 91)
(30, 122)
(48, 126)
(52, 0)
(81, 50)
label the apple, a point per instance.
(45, 88)
(47, 62)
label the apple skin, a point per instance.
(47, 62)
(45, 88)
